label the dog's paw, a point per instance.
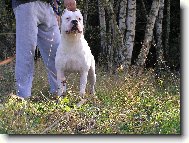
(63, 94)
(92, 91)
(82, 95)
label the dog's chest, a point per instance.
(76, 60)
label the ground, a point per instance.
(122, 105)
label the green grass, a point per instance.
(124, 105)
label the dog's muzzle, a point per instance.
(75, 24)
(74, 28)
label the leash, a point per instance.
(7, 61)
(57, 10)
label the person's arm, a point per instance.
(70, 4)
(55, 4)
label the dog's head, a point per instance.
(72, 22)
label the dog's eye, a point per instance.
(79, 19)
(67, 18)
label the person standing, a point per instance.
(36, 24)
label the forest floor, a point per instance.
(122, 105)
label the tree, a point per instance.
(122, 15)
(102, 20)
(85, 13)
(114, 40)
(159, 46)
(115, 31)
(167, 30)
(148, 35)
(130, 33)
(7, 29)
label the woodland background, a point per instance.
(126, 37)
(116, 31)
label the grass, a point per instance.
(124, 105)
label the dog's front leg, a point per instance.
(83, 82)
(61, 83)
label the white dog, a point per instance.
(74, 54)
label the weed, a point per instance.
(124, 105)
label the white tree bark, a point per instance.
(122, 16)
(85, 14)
(159, 46)
(130, 33)
(148, 34)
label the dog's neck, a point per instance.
(72, 38)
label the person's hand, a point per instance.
(70, 4)
(58, 19)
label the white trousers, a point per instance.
(36, 25)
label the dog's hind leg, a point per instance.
(92, 79)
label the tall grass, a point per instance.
(123, 105)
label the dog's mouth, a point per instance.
(73, 31)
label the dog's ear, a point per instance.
(65, 10)
(78, 10)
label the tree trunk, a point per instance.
(114, 37)
(144, 8)
(110, 41)
(85, 14)
(159, 46)
(148, 35)
(146, 15)
(122, 16)
(166, 45)
(130, 33)
(102, 20)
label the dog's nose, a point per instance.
(74, 22)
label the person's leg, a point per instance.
(26, 39)
(48, 42)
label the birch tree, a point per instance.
(146, 15)
(148, 34)
(85, 13)
(167, 30)
(114, 38)
(159, 46)
(110, 35)
(102, 20)
(130, 33)
(144, 8)
(122, 16)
